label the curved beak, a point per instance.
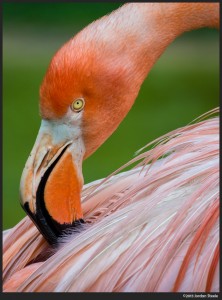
(52, 180)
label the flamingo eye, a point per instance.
(78, 104)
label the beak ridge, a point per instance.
(51, 184)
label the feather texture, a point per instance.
(154, 228)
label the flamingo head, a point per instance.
(86, 92)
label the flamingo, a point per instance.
(153, 228)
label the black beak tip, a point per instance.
(50, 229)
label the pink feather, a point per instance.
(154, 228)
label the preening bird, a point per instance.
(153, 228)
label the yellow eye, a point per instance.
(78, 104)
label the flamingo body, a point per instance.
(154, 228)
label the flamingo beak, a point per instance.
(51, 182)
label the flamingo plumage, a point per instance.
(153, 228)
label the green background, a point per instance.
(182, 85)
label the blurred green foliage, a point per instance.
(182, 85)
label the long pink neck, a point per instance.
(121, 48)
(131, 39)
(149, 28)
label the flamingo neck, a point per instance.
(131, 39)
(125, 45)
(143, 31)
